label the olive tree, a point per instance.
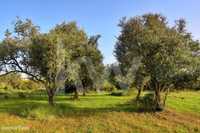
(50, 58)
(37, 55)
(85, 56)
(164, 51)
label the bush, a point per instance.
(117, 93)
(42, 112)
(147, 103)
(22, 95)
(15, 82)
(108, 87)
(5, 88)
(6, 96)
(30, 85)
(131, 91)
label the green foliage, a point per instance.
(114, 75)
(22, 95)
(131, 91)
(46, 112)
(164, 51)
(118, 93)
(107, 86)
(51, 58)
(15, 82)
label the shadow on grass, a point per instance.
(37, 107)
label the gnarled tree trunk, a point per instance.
(51, 100)
(158, 100)
(51, 94)
(84, 92)
(138, 94)
(76, 94)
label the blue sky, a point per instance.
(97, 16)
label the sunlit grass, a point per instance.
(185, 101)
(98, 113)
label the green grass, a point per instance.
(185, 101)
(97, 113)
(65, 105)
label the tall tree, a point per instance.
(51, 58)
(85, 55)
(164, 51)
(37, 55)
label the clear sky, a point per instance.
(97, 16)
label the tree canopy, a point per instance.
(52, 58)
(164, 52)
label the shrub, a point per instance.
(131, 91)
(108, 86)
(22, 95)
(15, 82)
(118, 93)
(46, 112)
(5, 88)
(6, 96)
(41, 113)
(147, 103)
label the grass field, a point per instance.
(99, 113)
